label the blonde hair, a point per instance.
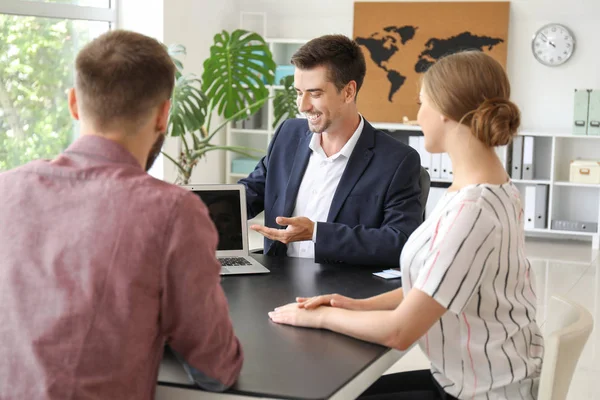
(473, 89)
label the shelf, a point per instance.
(538, 230)
(441, 181)
(583, 185)
(234, 175)
(532, 182)
(557, 135)
(286, 41)
(395, 127)
(558, 232)
(251, 131)
(573, 233)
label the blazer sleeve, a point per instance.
(403, 213)
(256, 181)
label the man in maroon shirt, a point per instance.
(101, 264)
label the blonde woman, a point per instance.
(468, 292)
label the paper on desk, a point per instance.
(389, 274)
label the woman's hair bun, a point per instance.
(495, 121)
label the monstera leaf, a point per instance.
(284, 103)
(175, 51)
(235, 74)
(188, 104)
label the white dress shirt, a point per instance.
(318, 186)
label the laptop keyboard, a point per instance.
(234, 261)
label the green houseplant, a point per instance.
(284, 103)
(233, 86)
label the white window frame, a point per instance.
(61, 11)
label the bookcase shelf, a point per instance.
(261, 131)
(551, 158)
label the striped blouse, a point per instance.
(469, 256)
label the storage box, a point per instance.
(574, 226)
(243, 165)
(282, 71)
(585, 171)
(581, 111)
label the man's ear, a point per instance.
(73, 108)
(163, 117)
(350, 91)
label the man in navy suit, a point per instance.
(332, 187)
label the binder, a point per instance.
(447, 173)
(436, 166)
(517, 158)
(529, 209)
(593, 128)
(528, 143)
(580, 113)
(425, 155)
(413, 141)
(541, 206)
(536, 206)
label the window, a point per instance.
(39, 40)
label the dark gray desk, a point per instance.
(287, 362)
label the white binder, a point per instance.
(447, 173)
(517, 158)
(528, 143)
(436, 166)
(413, 141)
(536, 206)
(529, 209)
(425, 156)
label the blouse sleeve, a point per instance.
(459, 254)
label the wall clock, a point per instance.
(553, 45)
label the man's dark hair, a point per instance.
(341, 55)
(120, 76)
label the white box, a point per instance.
(585, 171)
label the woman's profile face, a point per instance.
(432, 124)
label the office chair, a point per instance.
(570, 326)
(425, 183)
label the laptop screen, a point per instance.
(226, 214)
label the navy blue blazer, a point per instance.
(374, 210)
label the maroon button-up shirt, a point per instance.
(100, 265)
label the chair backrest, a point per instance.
(569, 328)
(425, 183)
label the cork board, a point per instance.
(401, 40)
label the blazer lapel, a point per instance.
(358, 162)
(298, 168)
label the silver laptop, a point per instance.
(227, 207)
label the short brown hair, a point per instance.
(121, 76)
(341, 55)
(472, 88)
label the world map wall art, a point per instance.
(401, 40)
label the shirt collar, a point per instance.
(98, 147)
(346, 151)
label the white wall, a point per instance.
(144, 16)
(192, 23)
(150, 24)
(544, 94)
